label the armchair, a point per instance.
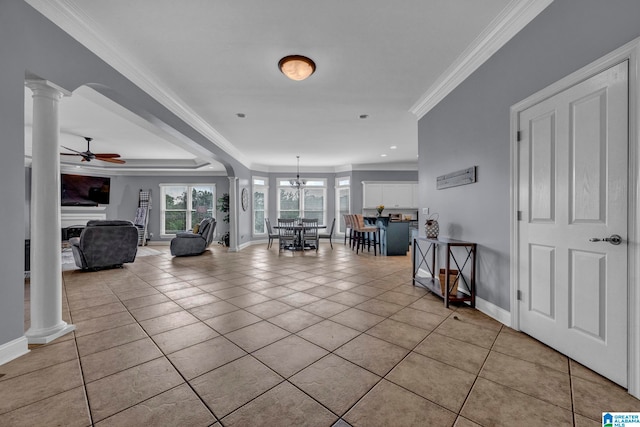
(105, 244)
(185, 244)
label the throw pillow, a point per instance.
(196, 228)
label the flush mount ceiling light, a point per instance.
(296, 67)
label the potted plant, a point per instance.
(223, 206)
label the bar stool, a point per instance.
(364, 234)
(347, 226)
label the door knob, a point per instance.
(614, 239)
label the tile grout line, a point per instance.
(75, 341)
(383, 377)
(479, 371)
(165, 356)
(573, 409)
(139, 364)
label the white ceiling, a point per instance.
(115, 129)
(209, 60)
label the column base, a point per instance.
(45, 336)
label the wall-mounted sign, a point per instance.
(453, 179)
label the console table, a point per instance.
(420, 258)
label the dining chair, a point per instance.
(310, 232)
(270, 233)
(328, 235)
(286, 232)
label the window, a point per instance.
(343, 201)
(306, 202)
(185, 205)
(260, 198)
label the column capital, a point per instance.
(41, 87)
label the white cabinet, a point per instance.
(415, 196)
(393, 195)
(372, 194)
(397, 196)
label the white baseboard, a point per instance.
(245, 245)
(13, 349)
(500, 314)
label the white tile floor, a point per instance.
(292, 339)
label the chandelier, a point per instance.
(298, 183)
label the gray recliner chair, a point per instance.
(185, 244)
(105, 244)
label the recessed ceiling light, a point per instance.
(241, 115)
(364, 116)
(297, 67)
(383, 155)
(393, 147)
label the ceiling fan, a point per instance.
(87, 156)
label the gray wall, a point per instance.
(471, 125)
(124, 197)
(245, 218)
(12, 175)
(33, 45)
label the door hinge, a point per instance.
(519, 215)
(519, 295)
(519, 136)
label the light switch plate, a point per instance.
(425, 211)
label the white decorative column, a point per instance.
(46, 271)
(233, 214)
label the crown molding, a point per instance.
(513, 18)
(80, 26)
(399, 166)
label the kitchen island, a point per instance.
(394, 235)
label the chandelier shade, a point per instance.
(296, 67)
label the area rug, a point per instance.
(68, 262)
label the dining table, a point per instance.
(298, 229)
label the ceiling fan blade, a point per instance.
(111, 160)
(87, 156)
(71, 149)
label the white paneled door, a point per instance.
(573, 203)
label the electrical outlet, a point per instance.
(425, 211)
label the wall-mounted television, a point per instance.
(84, 190)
